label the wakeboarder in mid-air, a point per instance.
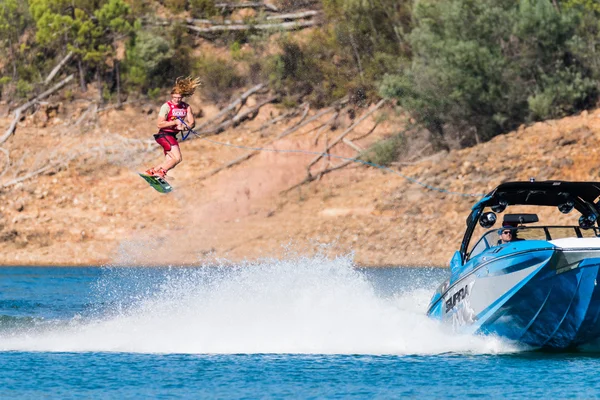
(175, 116)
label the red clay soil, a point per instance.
(90, 207)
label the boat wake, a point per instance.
(301, 305)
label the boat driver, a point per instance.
(507, 234)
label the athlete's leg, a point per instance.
(172, 158)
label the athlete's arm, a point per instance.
(162, 118)
(163, 123)
(189, 119)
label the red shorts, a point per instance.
(166, 141)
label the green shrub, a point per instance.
(154, 93)
(562, 94)
(385, 151)
(203, 8)
(484, 67)
(296, 74)
(219, 77)
(154, 61)
(176, 6)
(236, 50)
(106, 93)
(23, 88)
(150, 50)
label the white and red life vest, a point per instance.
(175, 111)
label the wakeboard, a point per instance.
(158, 183)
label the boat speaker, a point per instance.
(566, 207)
(501, 206)
(487, 220)
(587, 221)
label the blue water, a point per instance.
(298, 328)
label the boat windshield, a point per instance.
(492, 239)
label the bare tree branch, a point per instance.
(84, 114)
(325, 126)
(58, 67)
(368, 132)
(6, 161)
(318, 175)
(238, 118)
(353, 145)
(240, 100)
(31, 174)
(24, 107)
(280, 136)
(347, 131)
(289, 114)
(252, 153)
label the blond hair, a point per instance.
(185, 86)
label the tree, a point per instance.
(58, 23)
(115, 26)
(92, 29)
(13, 20)
(482, 67)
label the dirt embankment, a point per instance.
(90, 207)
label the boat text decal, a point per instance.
(457, 297)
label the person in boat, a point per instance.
(169, 123)
(507, 234)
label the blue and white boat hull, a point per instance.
(538, 294)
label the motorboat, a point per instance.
(540, 288)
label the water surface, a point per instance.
(303, 327)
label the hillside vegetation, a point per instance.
(465, 70)
(460, 95)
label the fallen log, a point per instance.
(238, 118)
(285, 17)
(285, 26)
(353, 145)
(248, 4)
(240, 100)
(30, 103)
(300, 15)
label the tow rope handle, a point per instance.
(190, 130)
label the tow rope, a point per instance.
(357, 160)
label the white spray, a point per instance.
(309, 305)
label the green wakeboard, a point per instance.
(158, 183)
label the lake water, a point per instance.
(307, 327)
